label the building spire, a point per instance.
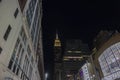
(57, 40)
(57, 35)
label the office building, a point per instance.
(73, 58)
(20, 40)
(85, 72)
(107, 57)
(57, 59)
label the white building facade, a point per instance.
(20, 33)
(110, 62)
(84, 72)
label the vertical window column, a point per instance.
(10, 65)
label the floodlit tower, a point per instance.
(57, 58)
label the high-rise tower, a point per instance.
(57, 49)
(57, 58)
(21, 53)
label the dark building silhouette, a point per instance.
(57, 59)
(73, 58)
(102, 37)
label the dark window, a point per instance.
(14, 68)
(16, 13)
(10, 64)
(0, 50)
(7, 32)
(17, 72)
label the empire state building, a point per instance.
(57, 58)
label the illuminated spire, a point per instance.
(57, 40)
(57, 35)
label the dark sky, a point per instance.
(79, 19)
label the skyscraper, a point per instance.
(20, 39)
(73, 57)
(57, 59)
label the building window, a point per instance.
(30, 11)
(26, 65)
(32, 60)
(16, 13)
(0, 50)
(13, 55)
(7, 32)
(110, 61)
(29, 51)
(23, 35)
(30, 72)
(16, 58)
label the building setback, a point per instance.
(20, 40)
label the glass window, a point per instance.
(109, 52)
(0, 50)
(112, 56)
(13, 55)
(10, 64)
(32, 60)
(20, 47)
(29, 51)
(30, 72)
(105, 53)
(26, 65)
(23, 35)
(21, 56)
(108, 60)
(7, 32)
(16, 58)
(117, 54)
(16, 13)
(118, 45)
(107, 70)
(28, 17)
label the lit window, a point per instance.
(109, 60)
(7, 32)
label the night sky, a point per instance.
(78, 19)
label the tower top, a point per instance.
(57, 35)
(57, 41)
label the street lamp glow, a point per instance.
(46, 76)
